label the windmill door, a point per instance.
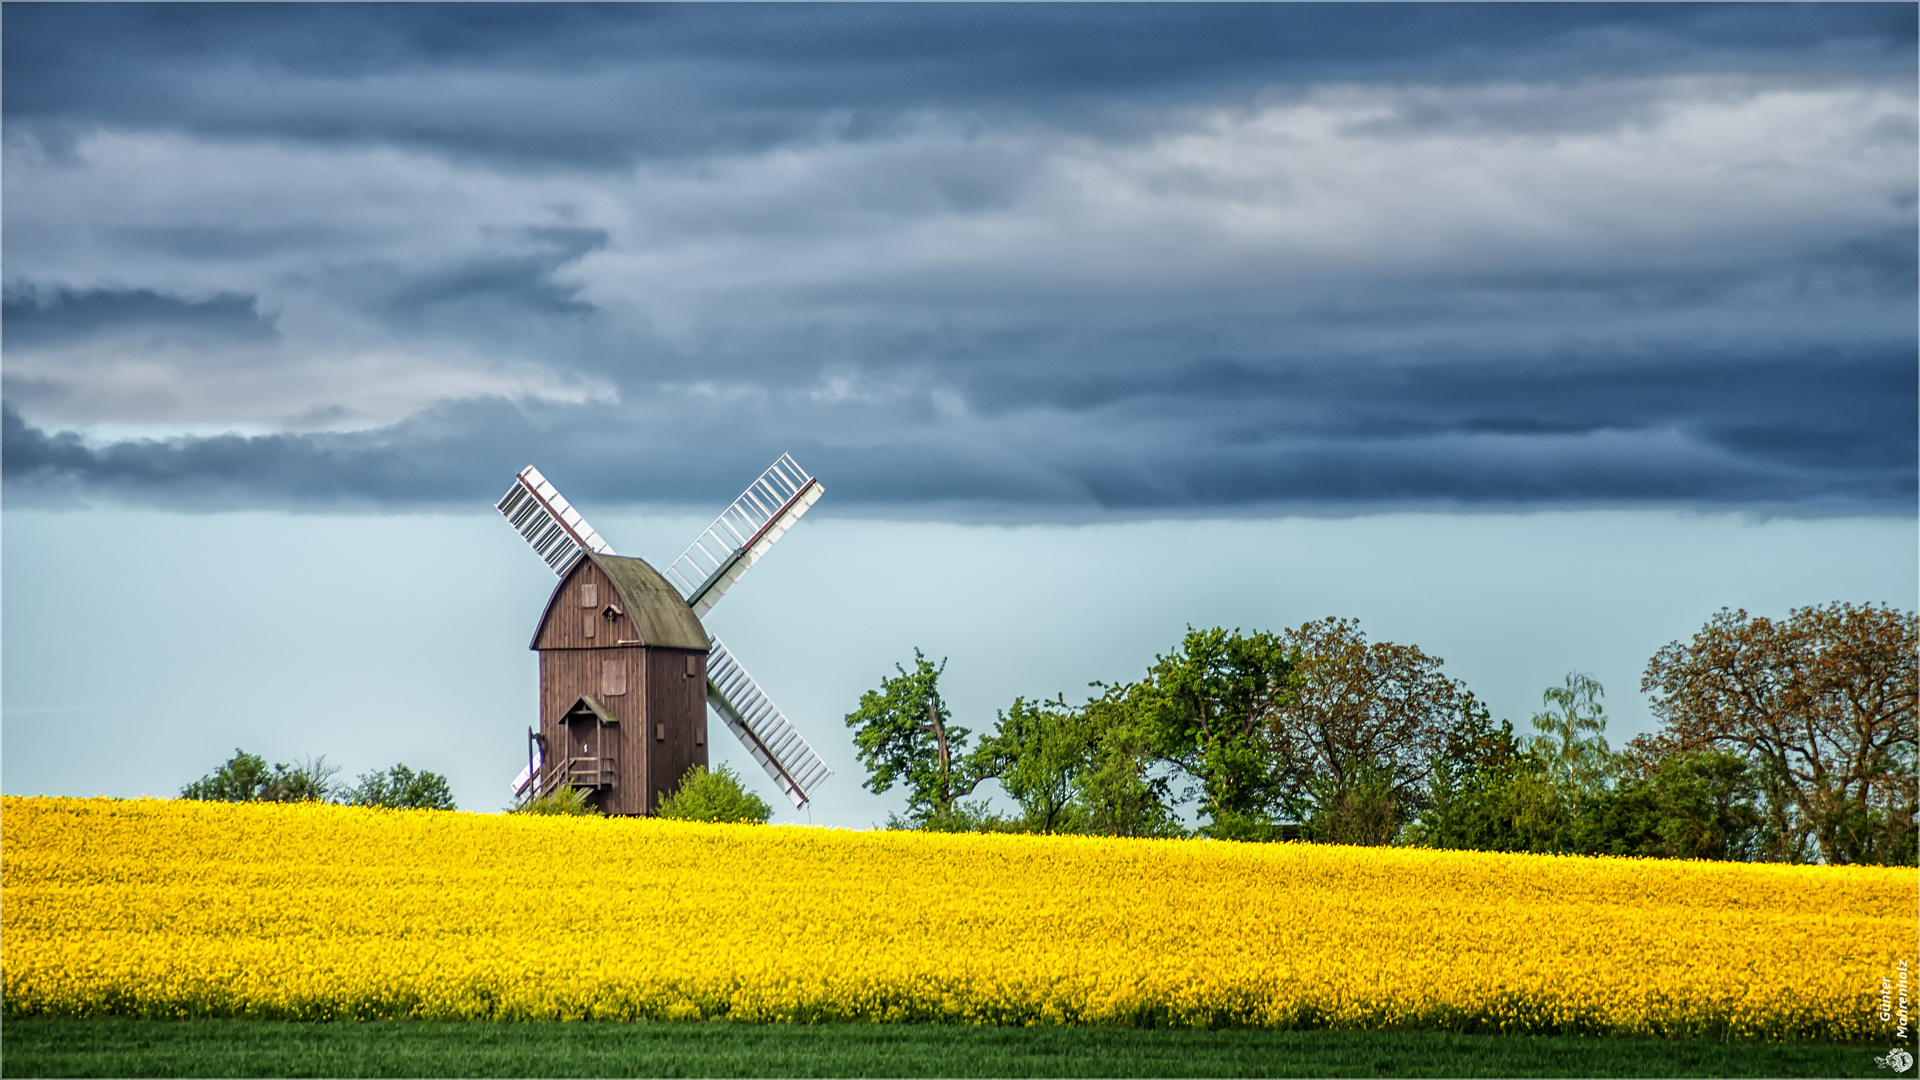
(592, 749)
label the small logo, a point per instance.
(1897, 1059)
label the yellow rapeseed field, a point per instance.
(174, 908)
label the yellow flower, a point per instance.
(179, 909)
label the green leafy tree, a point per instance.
(400, 788)
(1041, 752)
(1453, 816)
(1365, 810)
(1624, 821)
(1203, 712)
(1706, 806)
(1486, 793)
(1571, 737)
(1126, 789)
(964, 816)
(1490, 791)
(241, 779)
(246, 778)
(905, 735)
(1211, 708)
(1691, 805)
(715, 795)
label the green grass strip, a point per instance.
(417, 1048)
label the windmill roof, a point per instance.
(657, 609)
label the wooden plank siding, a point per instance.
(567, 675)
(665, 692)
(676, 718)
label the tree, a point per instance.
(1821, 705)
(401, 788)
(246, 778)
(1125, 790)
(1698, 805)
(1211, 707)
(1040, 751)
(1094, 768)
(1705, 806)
(1203, 710)
(241, 779)
(1572, 736)
(1486, 793)
(905, 735)
(1365, 810)
(1622, 821)
(1359, 736)
(715, 795)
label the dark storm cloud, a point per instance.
(604, 84)
(31, 318)
(1019, 259)
(414, 463)
(1870, 393)
(1832, 431)
(217, 242)
(523, 280)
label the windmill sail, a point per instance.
(761, 728)
(549, 524)
(737, 538)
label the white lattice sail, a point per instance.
(761, 728)
(547, 522)
(743, 533)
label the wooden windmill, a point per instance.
(627, 673)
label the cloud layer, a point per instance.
(1048, 261)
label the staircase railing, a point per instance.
(584, 773)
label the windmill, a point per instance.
(627, 671)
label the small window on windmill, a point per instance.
(690, 666)
(588, 624)
(589, 595)
(613, 677)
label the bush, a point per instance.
(964, 816)
(246, 778)
(401, 788)
(715, 796)
(569, 801)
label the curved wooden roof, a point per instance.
(660, 616)
(658, 611)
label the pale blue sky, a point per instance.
(141, 647)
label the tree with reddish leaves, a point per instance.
(1357, 739)
(1822, 704)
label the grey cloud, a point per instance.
(522, 280)
(416, 463)
(217, 243)
(35, 318)
(1803, 429)
(610, 84)
(1057, 259)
